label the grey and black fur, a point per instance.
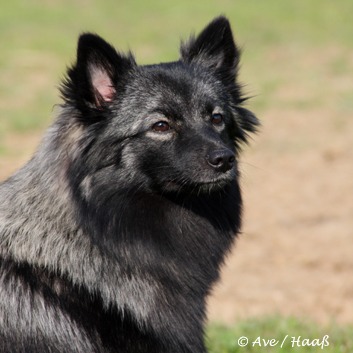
(112, 235)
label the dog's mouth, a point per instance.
(197, 186)
(199, 180)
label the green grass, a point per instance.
(38, 40)
(292, 331)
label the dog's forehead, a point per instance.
(177, 84)
(174, 90)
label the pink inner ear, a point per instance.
(102, 84)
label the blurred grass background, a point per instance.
(38, 41)
(296, 55)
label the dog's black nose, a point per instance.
(221, 160)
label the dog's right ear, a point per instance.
(214, 48)
(93, 82)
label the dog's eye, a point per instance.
(217, 119)
(161, 126)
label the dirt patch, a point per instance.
(295, 254)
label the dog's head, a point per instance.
(164, 127)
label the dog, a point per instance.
(113, 234)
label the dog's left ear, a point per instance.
(93, 82)
(214, 48)
(96, 63)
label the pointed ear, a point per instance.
(93, 82)
(214, 48)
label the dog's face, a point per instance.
(165, 127)
(184, 128)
